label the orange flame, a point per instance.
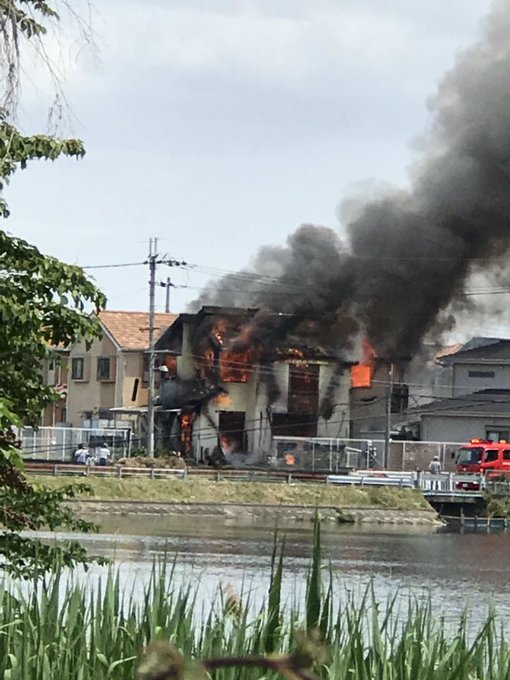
(223, 400)
(361, 375)
(227, 444)
(219, 330)
(186, 419)
(171, 363)
(290, 459)
(295, 353)
(237, 366)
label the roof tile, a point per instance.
(131, 329)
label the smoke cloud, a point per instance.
(406, 257)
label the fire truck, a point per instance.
(485, 457)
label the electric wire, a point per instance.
(270, 280)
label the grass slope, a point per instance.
(206, 491)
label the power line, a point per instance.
(253, 277)
(111, 266)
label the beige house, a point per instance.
(107, 383)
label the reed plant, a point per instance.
(62, 628)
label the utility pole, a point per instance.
(167, 297)
(153, 254)
(387, 432)
(153, 261)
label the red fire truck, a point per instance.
(483, 457)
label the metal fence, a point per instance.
(332, 455)
(408, 455)
(59, 443)
(324, 454)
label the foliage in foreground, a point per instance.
(44, 303)
(70, 630)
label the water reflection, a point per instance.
(455, 570)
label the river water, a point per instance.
(456, 571)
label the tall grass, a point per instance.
(63, 629)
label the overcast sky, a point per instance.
(221, 125)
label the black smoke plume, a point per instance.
(408, 255)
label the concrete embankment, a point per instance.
(266, 514)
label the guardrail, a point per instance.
(119, 472)
(124, 472)
(446, 482)
(425, 481)
(399, 481)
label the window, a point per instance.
(232, 431)
(104, 368)
(491, 455)
(235, 366)
(482, 374)
(399, 398)
(470, 456)
(497, 435)
(304, 389)
(78, 368)
(145, 370)
(506, 454)
(53, 374)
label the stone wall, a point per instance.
(257, 514)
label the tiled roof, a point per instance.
(131, 329)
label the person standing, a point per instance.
(77, 453)
(82, 454)
(104, 454)
(435, 469)
(435, 466)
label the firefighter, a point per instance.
(435, 466)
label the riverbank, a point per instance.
(250, 501)
(256, 514)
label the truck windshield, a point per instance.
(471, 456)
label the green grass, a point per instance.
(206, 491)
(80, 633)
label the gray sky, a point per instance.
(221, 125)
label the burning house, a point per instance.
(226, 390)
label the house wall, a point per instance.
(337, 388)
(245, 397)
(280, 376)
(463, 383)
(459, 428)
(428, 381)
(90, 394)
(186, 362)
(130, 369)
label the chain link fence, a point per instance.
(59, 443)
(334, 455)
(324, 454)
